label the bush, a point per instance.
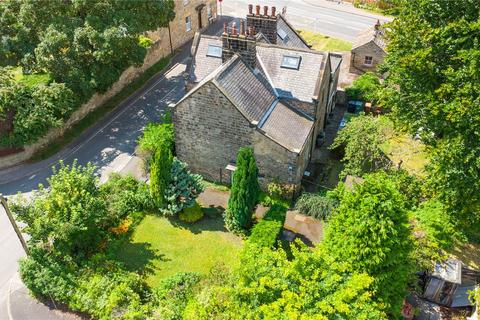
(366, 87)
(315, 206)
(183, 189)
(173, 294)
(192, 214)
(277, 190)
(154, 136)
(266, 232)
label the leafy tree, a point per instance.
(362, 138)
(369, 231)
(182, 190)
(160, 167)
(432, 83)
(70, 216)
(155, 135)
(244, 192)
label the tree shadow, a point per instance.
(137, 257)
(211, 221)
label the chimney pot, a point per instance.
(273, 11)
(250, 9)
(242, 27)
(265, 10)
(234, 28)
(225, 27)
(257, 10)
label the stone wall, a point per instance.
(357, 58)
(209, 130)
(159, 49)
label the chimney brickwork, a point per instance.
(264, 23)
(239, 41)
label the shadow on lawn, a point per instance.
(211, 221)
(137, 257)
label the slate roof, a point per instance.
(371, 35)
(293, 39)
(249, 91)
(299, 84)
(201, 64)
(288, 127)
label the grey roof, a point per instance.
(299, 84)
(201, 64)
(335, 60)
(288, 127)
(371, 35)
(248, 90)
(293, 38)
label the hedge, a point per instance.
(266, 232)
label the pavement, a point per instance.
(342, 21)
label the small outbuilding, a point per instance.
(368, 50)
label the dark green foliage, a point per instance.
(266, 232)
(433, 87)
(366, 88)
(172, 295)
(182, 190)
(35, 109)
(369, 231)
(244, 193)
(362, 139)
(85, 46)
(315, 205)
(160, 167)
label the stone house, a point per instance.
(368, 50)
(191, 16)
(259, 86)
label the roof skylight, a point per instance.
(214, 51)
(291, 62)
(282, 34)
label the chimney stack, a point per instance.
(250, 9)
(263, 23)
(244, 45)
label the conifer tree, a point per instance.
(244, 193)
(160, 165)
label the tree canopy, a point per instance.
(433, 85)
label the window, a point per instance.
(214, 51)
(282, 34)
(188, 23)
(185, 2)
(368, 60)
(291, 62)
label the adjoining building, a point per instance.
(369, 50)
(258, 85)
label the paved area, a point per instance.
(327, 17)
(213, 198)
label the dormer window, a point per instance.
(282, 34)
(214, 51)
(291, 62)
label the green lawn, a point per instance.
(161, 247)
(31, 79)
(321, 42)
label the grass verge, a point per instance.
(31, 80)
(94, 116)
(321, 42)
(161, 247)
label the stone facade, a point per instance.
(360, 60)
(203, 143)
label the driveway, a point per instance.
(327, 17)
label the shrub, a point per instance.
(160, 171)
(244, 194)
(173, 294)
(154, 136)
(315, 206)
(365, 87)
(266, 232)
(277, 190)
(192, 214)
(183, 189)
